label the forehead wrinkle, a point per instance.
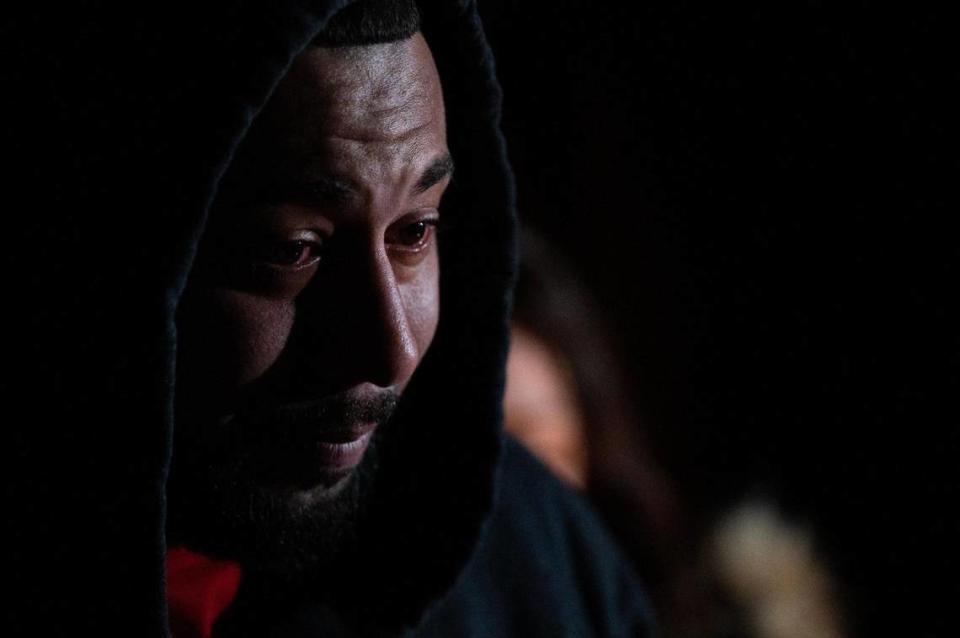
(364, 92)
(391, 130)
(376, 112)
(354, 113)
(375, 97)
(378, 80)
(401, 159)
(391, 125)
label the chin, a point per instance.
(287, 517)
(288, 529)
(329, 487)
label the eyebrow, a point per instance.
(438, 169)
(331, 189)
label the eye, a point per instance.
(292, 255)
(414, 236)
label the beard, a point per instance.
(244, 488)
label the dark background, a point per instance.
(762, 198)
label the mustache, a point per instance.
(302, 421)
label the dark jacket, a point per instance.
(121, 122)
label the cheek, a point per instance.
(422, 303)
(255, 330)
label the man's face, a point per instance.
(312, 301)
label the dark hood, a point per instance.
(119, 125)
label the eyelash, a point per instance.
(431, 227)
(300, 244)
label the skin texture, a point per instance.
(317, 281)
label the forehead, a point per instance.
(376, 92)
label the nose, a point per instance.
(358, 311)
(393, 353)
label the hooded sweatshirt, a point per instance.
(120, 122)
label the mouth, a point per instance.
(342, 449)
(312, 456)
(310, 444)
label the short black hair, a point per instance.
(370, 22)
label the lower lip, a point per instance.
(338, 456)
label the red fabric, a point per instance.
(198, 590)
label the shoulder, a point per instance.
(545, 566)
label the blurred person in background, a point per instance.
(567, 400)
(762, 199)
(752, 573)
